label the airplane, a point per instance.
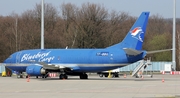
(78, 62)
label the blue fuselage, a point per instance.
(78, 59)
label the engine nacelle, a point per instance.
(35, 70)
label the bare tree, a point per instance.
(30, 28)
(115, 28)
(91, 19)
(69, 15)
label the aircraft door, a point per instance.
(18, 57)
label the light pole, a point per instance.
(16, 34)
(174, 36)
(42, 24)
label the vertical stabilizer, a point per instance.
(135, 37)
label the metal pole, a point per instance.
(16, 35)
(42, 24)
(174, 36)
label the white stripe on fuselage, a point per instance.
(70, 65)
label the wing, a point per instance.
(69, 67)
(57, 66)
(132, 51)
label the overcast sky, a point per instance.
(133, 7)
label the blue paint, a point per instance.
(17, 68)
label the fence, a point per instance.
(155, 66)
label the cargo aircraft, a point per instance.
(41, 62)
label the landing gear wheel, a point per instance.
(83, 76)
(63, 76)
(116, 75)
(43, 76)
(106, 75)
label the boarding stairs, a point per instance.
(143, 64)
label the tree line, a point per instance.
(88, 26)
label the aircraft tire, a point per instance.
(116, 75)
(63, 76)
(43, 76)
(106, 75)
(83, 76)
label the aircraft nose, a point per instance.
(8, 60)
(5, 61)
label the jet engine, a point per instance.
(35, 70)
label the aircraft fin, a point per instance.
(135, 37)
(132, 51)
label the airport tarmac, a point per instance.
(94, 87)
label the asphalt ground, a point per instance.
(160, 86)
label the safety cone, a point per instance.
(28, 79)
(124, 75)
(163, 80)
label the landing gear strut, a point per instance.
(62, 74)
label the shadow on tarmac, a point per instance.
(98, 78)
